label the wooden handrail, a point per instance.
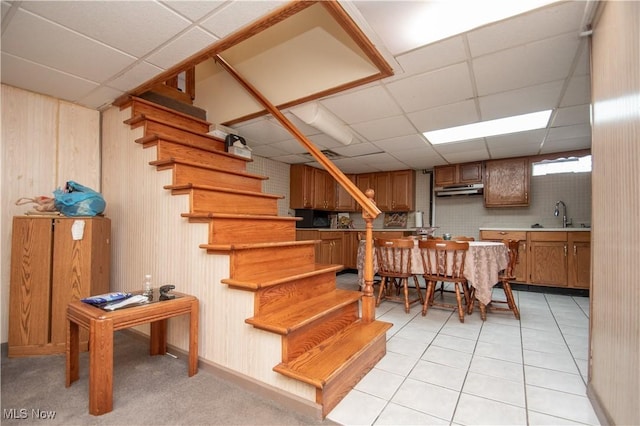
(369, 209)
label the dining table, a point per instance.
(482, 265)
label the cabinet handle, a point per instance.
(575, 250)
(503, 233)
(565, 250)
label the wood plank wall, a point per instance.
(614, 383)
(45, 142)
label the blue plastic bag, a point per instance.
(78, 200)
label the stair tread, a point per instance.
(220, 189)
(171, 160)
(285, 321)
(327, 360)
(265, 279)
(142, 117)
(239, 216)
(249, 246)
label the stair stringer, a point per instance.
(149, 235)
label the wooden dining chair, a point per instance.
(443, 261)
(441, 288)
(506, 276)
(394, 269)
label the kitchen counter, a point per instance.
(529, 229)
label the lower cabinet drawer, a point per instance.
(503, 235)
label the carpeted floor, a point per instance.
(147, 391)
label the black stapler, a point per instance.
(164, 290)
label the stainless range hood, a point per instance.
(450, 191)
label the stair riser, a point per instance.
(306, 338)
(203, 201)
(282, 296)
(184, 173)
(228, 231)
(162, 130)
(340, 386)
(163, 115)
(167, 150)
(245, 262)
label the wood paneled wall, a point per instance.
(614, 382)
(45, 142)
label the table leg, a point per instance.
(73, 353)
(193, 338)
(483, 311)
(100, 367)
(158, 338)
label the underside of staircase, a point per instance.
(325, 341)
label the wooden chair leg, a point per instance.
(428, 297)
(459, 300)
(472, 300)
(383, 284)
(405, 288)
(510, 300)
(417, 284)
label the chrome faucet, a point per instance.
(556, 212)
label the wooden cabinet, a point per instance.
(394, 191)
(579, 259)
(350, 249)
(324, 190)
(301, 187)
(344, 201)
(53, 261)
(330, 248)
(311, 188)
(521, 236)
(506, 182)
(548, 258)
(458, 174)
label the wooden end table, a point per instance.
(102, 324)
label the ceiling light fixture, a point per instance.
(317, 116)
(501, 126)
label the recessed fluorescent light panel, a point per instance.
(501, 126)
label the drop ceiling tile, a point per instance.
(401, 143)
(441, 117)
(521, 101)
(353, 165)
(290, 159)
(527, 28)
(291, 146)
(420, 159)
(565, 132)
(583, 66)
(118, 27)
(25, 74)
(578, 91)
(516, 144)
(470, 145)
(181, 48)
(467, 156)
(440, 87)
(263, 132)
(38, 40)
(364, 105)
(237, 14)
(578, 114)
(101, 97)
(357, 150)
(433, 56)
(385, 128)
(5, 8)
(135, 76)
(194, 10)
(267, 151)
(570, 144)
(524, 66)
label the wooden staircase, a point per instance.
(325, 342)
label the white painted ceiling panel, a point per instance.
(95, 20)
(444, 86)
(93, 52)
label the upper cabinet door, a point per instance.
(506, 182)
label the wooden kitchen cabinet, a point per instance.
(458, 174)
(324, 190)
(330, 249)
(521, 236)
(506, 182)
(395, 190)
(579, 259)
(344, 201)
(301, 187)
(54, 260)
(311, 188)
(548, 258)
(350, 243)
